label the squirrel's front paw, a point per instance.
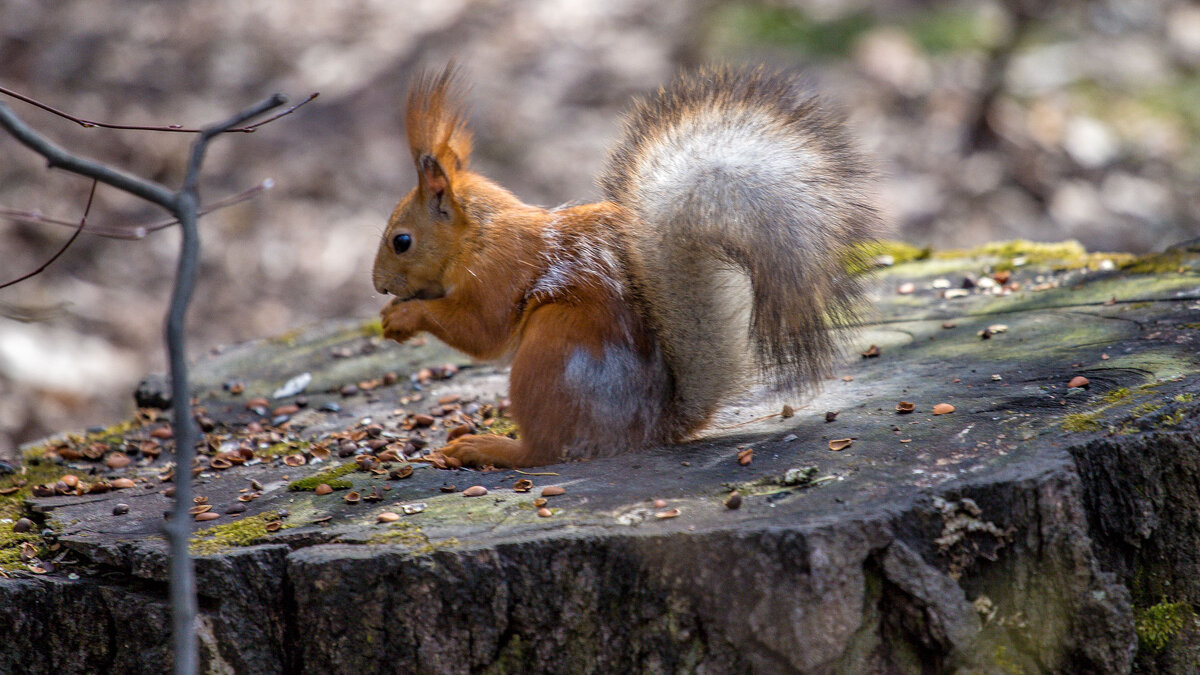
(396, 321)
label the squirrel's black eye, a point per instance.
(401, 242)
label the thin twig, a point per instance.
(173, 128)
(135, 231)
(180, 571)
(78, 229)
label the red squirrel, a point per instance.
(734, 208)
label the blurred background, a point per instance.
(990, 119)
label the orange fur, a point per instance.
(605, 356)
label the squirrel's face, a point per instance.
(422, 237)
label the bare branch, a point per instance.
(82, 222)
(59, 158)
(134, 231)
(174, 128)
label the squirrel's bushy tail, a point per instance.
(732, 170)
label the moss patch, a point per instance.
(1156, 626)
(10, 546)
(242, 532)
(1081, 423)
(332, 477)
(1117, 395)
(1156, 263)
(372, 328)
(284, 448)
(34, 471)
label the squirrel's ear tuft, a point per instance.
(436, 120)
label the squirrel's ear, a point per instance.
(434, 184)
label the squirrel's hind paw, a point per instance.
(473, 450)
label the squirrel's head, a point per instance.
(426, 228)
(422, 238)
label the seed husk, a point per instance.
(523, 485)
(544, 512)
(387, 517)
(553, 490)
(207, 515)
(117, 460)
(121, 483)
(475, 491)
(200, 508)
(745, 456)
(669, 513)
(295, 460)
(539, 502)
(323, 489)
(840, 443)
(787, 411)
(220, 463)
(1078, 381)
(352, 497)
(274, 526)
(905, 407)
(247, 497)
(660, 503)
(401, 472)
(872, 352)
(734, 500)
(943, 409)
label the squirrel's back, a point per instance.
(736, 176)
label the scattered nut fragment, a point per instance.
(387, 517)
(847, 378)
(552, 490)
(788, 411)
(905, 407)
(295, 460)
(831, 415)
(523, 485)
(256, 485)
(734, 500)
(117, 460)
(352, 497)
(1078, 381)
(207, 515)
(323, 489)
(906, 288)
(162, 433)
(274, 526)
(220, 463)
(872, 352)
(475, 491)
(539, 502)
(943, 409)
(669, 513)
(401, 472)
(410, 509)
(22, 525)
(544, 512)
(199, 499)
(745, 456)
(947, 325)
(660, 503)
(840, 443)
(200, 508)
(118, 510)
(70, 480)
(1104, 357)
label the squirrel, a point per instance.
(733, 222)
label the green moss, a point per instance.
(284, 448)
(34, 471)
(1081, 422)
(372, 328)
(1156, 626)
(404, 533)
(503, 426)
(332, 477)
(1173, 419)
(1156, 263)
(1117, 395)
(241, 532)
(1146, 408)
(1186, 397)
(10, 546)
